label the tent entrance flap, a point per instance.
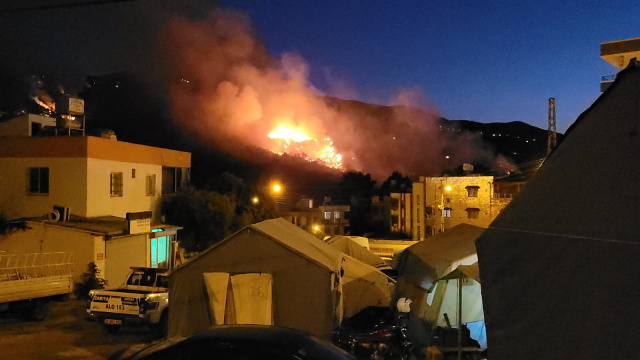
(217, 284)
(240, 299)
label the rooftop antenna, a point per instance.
(551, 142)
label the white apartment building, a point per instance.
(93, 183)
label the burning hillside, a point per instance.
(225, 88)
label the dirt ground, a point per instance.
(64, 334)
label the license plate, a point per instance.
(112, 322)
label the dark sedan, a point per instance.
(239, 342)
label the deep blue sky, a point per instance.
(478, 60)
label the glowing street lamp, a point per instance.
(276, 188)
(255, 200)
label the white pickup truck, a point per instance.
(29, 282)
(143, 300)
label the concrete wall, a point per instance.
(121, 254)
(46, 238)
(134, 199)
(66, 186)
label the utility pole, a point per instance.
(551, 141)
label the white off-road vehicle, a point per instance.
(143, 300)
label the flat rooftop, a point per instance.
(91, 147)
(619, 46)
(101, 225)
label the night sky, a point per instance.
(492, 61)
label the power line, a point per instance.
(62, 6)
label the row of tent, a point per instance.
(274, 273)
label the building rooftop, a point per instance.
(91, 147)
(101, 225)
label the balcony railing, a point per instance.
(608, 78)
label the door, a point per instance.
(240, 298)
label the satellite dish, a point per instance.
(54, 215)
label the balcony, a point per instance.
(606, 81)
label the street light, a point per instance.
(276, 188)
(255, 200)
(441, 206)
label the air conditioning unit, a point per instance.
(59, 213)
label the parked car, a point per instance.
(239, 342)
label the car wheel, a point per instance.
(161, 329)
(38, 310)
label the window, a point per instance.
(133, 173)
(447, 212)
(116, 184)
(327, 215)
(336, 214)
(151, 185)
(472, 213)
(38, 180)
(418, 233)
(428, 212)
(472, 191)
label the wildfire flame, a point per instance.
(295, 141)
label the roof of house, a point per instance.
(100, 225)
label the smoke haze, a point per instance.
(224, 87)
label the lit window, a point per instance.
(447, 212)
(473, 213)
(151, 185)
(327, 215)
(336, 214)
(38, 180)
(472, 191)
(116, 184)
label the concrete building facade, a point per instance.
(440, 203)
(94, 183)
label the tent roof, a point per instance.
(355, 250)
(569, 242)
(299, 241)
(454, 244)
(471, 271)
(586, 189)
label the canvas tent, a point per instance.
(558, 265)
(421, 265)
(272, 273)
(350, 247)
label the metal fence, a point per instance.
(35, 265)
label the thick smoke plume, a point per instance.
(225, 87)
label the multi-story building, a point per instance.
(618, 53)
(334, 220)
(392, 213)
(324, 220)
(106, 194)
(440, 203)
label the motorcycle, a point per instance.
(376, 333)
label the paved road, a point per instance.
(64, 335)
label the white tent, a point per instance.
(447, 288)
(558, 264)
(352, 248)
(421, 265)
(272, 273)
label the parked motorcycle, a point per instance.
(376, 333)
